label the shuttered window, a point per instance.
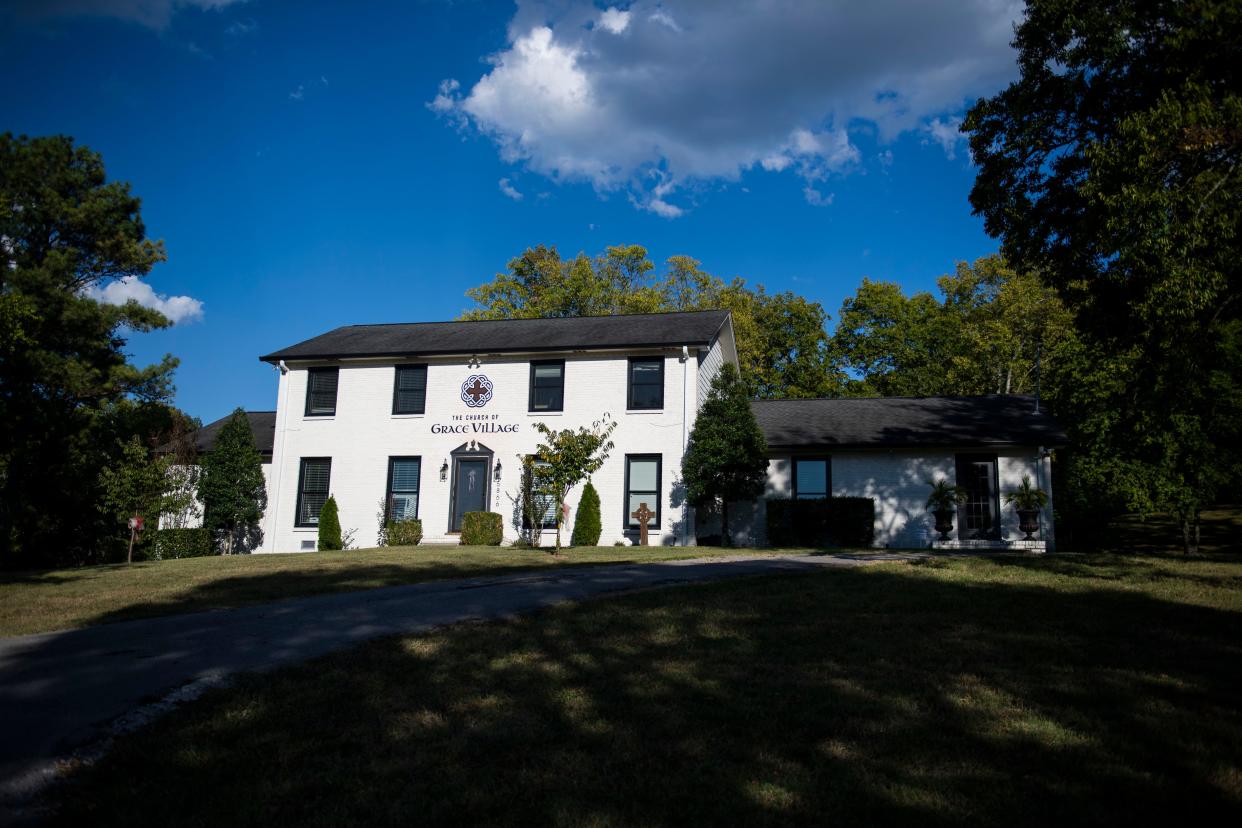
(544, 504)
(642, 485)
(409, 395)
(547, 385)
(321, 392)
(313, 480)
(404, 474)
(646, 389)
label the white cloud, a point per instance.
(241, 28)
(508, 189)
(154, 14)
(694, 93)
(176, 308)
(945, 133)
(298, 94)
(614, 20)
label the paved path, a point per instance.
(62, 691)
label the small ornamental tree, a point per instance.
(727, 457)
(134, 485)
(329, 526)
(231, 486)
(587, 524)
(571, 456)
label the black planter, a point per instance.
(1028, 522)
(944, 522)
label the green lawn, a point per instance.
(1011, 691)
(41, 601)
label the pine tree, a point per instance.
(587, 526)
(329, 526)
(232, 487)
(727, 458)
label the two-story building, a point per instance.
(432, 420)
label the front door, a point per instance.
(980, 514)
(469, 488)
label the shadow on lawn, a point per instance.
(889, 695)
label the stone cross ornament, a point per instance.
(642, 514)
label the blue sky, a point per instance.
(314, 165)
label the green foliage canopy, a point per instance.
(571, 456)
(232, 488)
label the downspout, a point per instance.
(685, 507)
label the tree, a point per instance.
(587, 525)
(781, 341)
(134, 486)
(180, 508)
(329, 527)
(569, 456)
(727, 456)
(232, 487)
(1112, 167)
(70, 396)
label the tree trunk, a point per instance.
(1196, 531)
(560, 516)
(725, 538)
(228, 543)
(1185, 536)
(129, 556)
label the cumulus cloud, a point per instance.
(508, 189)
(945, 132)
(154, 14)
(661, 97)
(176, 308)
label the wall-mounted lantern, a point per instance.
(444, 471)
(496, 472)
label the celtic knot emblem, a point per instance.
(476, 391)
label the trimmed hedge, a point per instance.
(404, 533)
(834, 521)
(181, 543)
(482, 529)
(329, 526)
(587, 526)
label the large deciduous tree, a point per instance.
(727, 457)
(781, 339)
(70, 398)
(232, 488)
(1112, 167)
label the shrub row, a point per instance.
(181, 543)
(481, 529)
(833, 521)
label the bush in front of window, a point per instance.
(482, 529)
(833, 521)
(587, 525)
(181, 543)
(329, 526)
(404, 533)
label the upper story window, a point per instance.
(811, 476)
(646, 383)
(547, 385)
(409, 392)
(313, 479)
(321, 392)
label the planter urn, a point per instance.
(944, 522)
(1028, 522)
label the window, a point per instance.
(409, 391)
(811, 477)
(312, 489)
(976, 473)
(646, 384)
(321, 392)
(544, 504)
(547, 385)
(403, 478)
(642, 485)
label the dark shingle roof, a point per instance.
(509, 335)
(902, 422)
(262, 428)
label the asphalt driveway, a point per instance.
(63, 692)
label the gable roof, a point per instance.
(906, 422)
(262, 428)
(697, 328)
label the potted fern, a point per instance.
(942, 502)
(1027, 500)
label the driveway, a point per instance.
(65, 691)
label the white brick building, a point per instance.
(432, 420)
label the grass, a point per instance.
(1077, 689)
(33, 602)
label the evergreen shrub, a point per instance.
(329, 526)
(404, 532)
(587, 526)
(181, 543)
(482, 529)
(834, 521)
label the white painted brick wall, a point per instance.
(364, 434)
